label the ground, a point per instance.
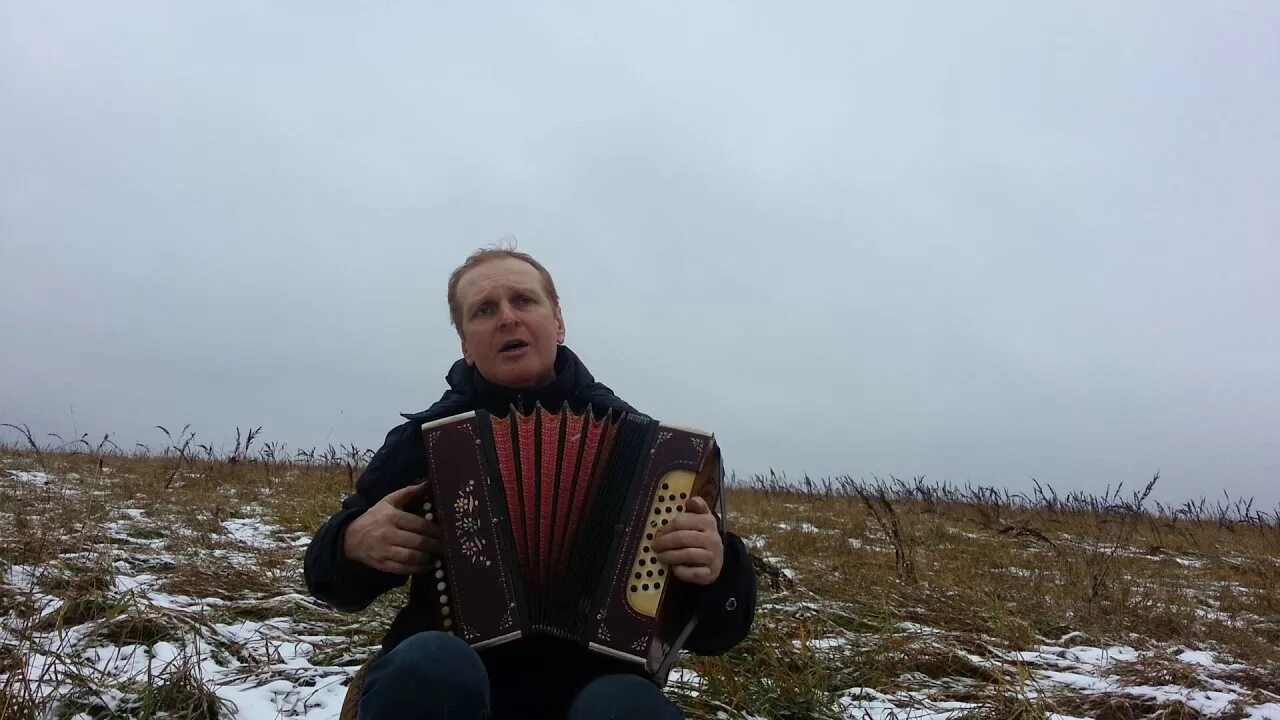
(162, 585)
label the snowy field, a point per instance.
(118, 603)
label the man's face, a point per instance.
(509, 328)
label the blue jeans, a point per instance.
(434, 676)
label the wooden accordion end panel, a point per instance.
(463, 501)
(548, 520)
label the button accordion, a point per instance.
(547, 520)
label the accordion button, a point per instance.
(439, 574)
(431, 516)
(439, 564)
(447, 623)
(445, 610)
(440, 586)
(731, 605)
(426, 506)
(444, 599)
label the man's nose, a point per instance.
(506, 314)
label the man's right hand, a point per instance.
(387, 538)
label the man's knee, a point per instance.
(429, 655)
(623, 697)
(429, 668)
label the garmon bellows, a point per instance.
(548, 519)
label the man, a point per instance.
(507, 314)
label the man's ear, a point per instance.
(466, 354)
(559, 326)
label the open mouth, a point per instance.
(512, 346)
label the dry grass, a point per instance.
(1159, 669)
(872, 588)
(1111, 707)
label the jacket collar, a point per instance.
(571, 375)
(573, 383)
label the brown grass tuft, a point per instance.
(1122, 707)
(1156, 670)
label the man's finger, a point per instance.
(397, 568)
(697, 575)
(680, 539)
(433, 548)
(406, 539)
(407, 495)
(697, 506)
(409, 521)
(687, 556)
(405, 556)
(686, 521)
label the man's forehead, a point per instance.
(496, 275)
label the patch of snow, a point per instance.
(281, 682)
(251, 532)
(870, 704)
(824, 644)
(30, 476)
(793, 607)
(129, 583)
(120, 531)
(1199, 657)
(914, 629)
(1268, 711)
(802, 527)
(1100, 657)
(22, 577)
(1206, 702)
(1220, 617)
(686, 680)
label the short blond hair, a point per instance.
(484, 255)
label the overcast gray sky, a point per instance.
(978, 241)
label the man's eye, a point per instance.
(524, 300)
(483, 310)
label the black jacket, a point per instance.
(727, 605)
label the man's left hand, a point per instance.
(691, 545)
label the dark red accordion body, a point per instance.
(547, 520)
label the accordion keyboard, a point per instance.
(649, 577)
